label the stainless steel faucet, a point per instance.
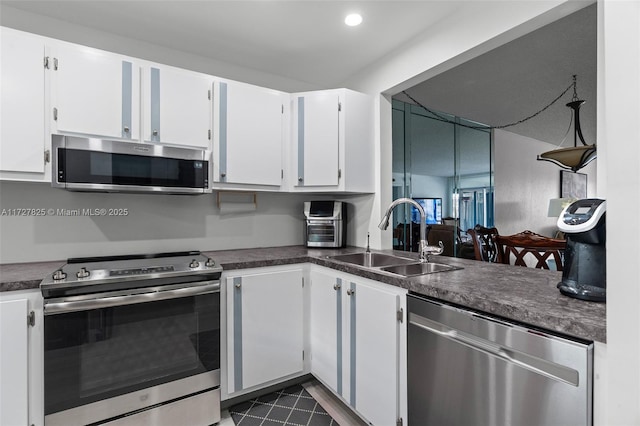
(424, 250)
(384, 224)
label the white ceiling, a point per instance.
(307, 41)
(303, 40)
(519, 78)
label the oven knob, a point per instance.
(210, 263)
(83, 273)
(194, 264)
(59, 275)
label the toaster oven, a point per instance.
(325, 224)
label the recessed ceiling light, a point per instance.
(353, 19)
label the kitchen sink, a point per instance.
(413, 269)
(372, 260)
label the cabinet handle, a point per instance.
(300, 179)
(350, 292)
(223, 175)
(126, 129)
(337, 286)
(155, 132)
(238, 285)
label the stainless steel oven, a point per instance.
(133, 340)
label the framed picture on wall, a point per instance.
(573, 185)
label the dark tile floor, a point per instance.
(290, 406)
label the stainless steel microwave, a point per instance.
(99, 165)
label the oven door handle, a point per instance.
(130, 299)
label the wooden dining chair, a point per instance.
(528, 248)
(485, 246)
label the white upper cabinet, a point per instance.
(257, 138)
(22, 133)
(176, 106)
(250, 129)
(316, 132)
(94, 92)
(332, 141)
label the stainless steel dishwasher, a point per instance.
(467, 368)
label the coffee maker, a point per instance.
(584, 275)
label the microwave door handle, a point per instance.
(107, 302)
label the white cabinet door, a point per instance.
(325, 322)
(22, 133)
(356, 343)
(250, 133)
(265, 339)
(332, 141)
(14, 409)
(21, 359)
(94, 93)
(374, 383)
(316, 138)
(177, 106)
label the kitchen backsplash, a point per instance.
(41, 223)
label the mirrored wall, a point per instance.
(445, 166)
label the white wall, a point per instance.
(524, 185)
(155, 223)
(619, 154)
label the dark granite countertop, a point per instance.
(523, 294)
(25, 276)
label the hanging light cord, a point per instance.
(503, 126)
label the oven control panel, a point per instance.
(141, 271)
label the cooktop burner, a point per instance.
(97, 274)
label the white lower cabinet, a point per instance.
(264, 327)
(21, 360)
(357, 343)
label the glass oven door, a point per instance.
(97, 354)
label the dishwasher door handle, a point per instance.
(538, 365)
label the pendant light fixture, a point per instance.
(576, 157)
